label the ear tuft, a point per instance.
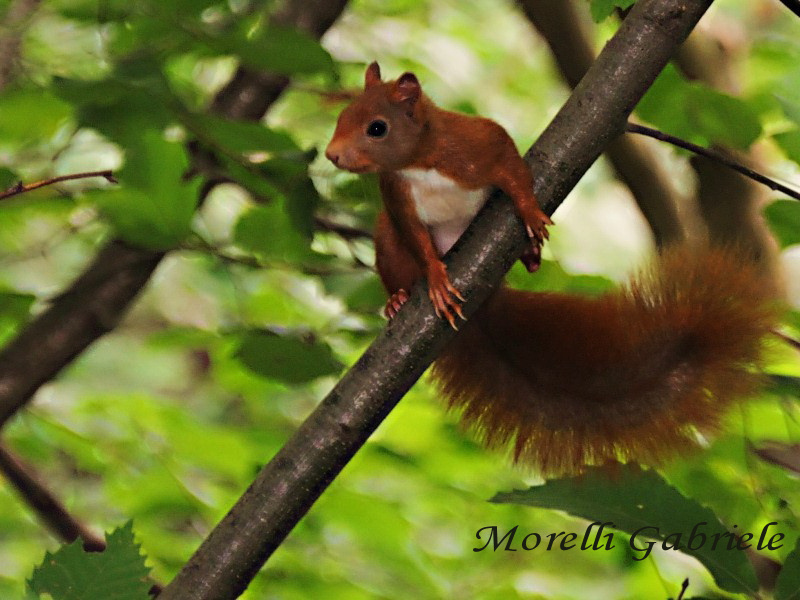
(373, 75)
(407, 88)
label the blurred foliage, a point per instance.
(248, 321)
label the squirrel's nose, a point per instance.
(332, 154)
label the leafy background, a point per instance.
(267, 290)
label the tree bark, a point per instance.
(285, 489)
(45, 504)
(14, 22)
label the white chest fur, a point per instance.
(443, 205)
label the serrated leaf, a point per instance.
(286, 358)
(602, 9)
(787, 587)
(783, 217)
(117, 573)
(789, 142)
(633, 499)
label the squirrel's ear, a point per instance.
(373, 75)
(406, 89)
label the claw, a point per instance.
(536, 227)
(444, 296)
(452, 321)
(395, 303)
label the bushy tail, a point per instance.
(634, 374)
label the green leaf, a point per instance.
(152, 207)
(783, 217)
(136, 98)
(14, 310)
(664, 104)
(789, 142)
(240, 137)
(602, 9)
(28, 115)
(277, 49)
(268, 232)
(286, 358)
(714, 114)
(698, 113)
(283, 182)
(786, 93)
(302, 197)
(551, 277)
(633, 499)
(784, 385)
(8, 179)
(117, 573)
(362, 291)
(787, 587)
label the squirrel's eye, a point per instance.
(377, 129)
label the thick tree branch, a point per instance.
(14, 21)
(792, 5)
(96, 301)
(287, 487)
(565, 30)
(45, 504)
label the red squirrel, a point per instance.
(640, 373)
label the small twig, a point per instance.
(44, 503)
(788, 339)
(713, 155)
(21, 188)
(684, 587)
(792, 5)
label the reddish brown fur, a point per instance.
(635, 374)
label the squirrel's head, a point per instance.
(381, 129)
